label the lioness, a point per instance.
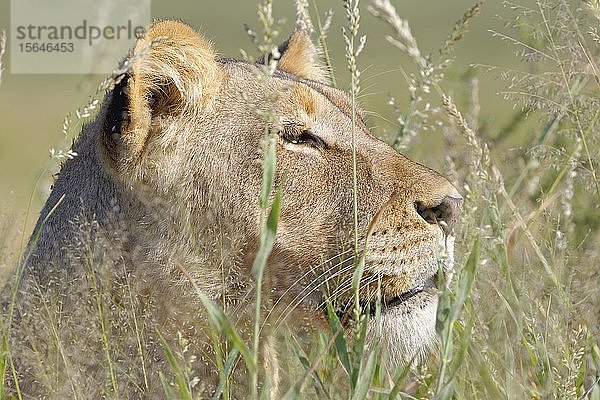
(170, 172)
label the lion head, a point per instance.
(193, 137)
(176, 153)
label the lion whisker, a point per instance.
(295, 303)
(315, 285)
(343, 289)
(241, 302)
(311, 270)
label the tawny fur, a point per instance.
(176, 186)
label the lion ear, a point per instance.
(299, 56)
(173, 70)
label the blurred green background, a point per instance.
(33, 107)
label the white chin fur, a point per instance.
(407, 335)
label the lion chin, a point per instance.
(407, 331)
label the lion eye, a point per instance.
(302, 137)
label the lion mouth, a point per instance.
(388, 303)
(404, 297)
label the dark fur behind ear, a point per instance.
(115, 117)
(116, 109)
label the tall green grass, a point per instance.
(520, 318)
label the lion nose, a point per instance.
(443, 214)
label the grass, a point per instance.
(520, 319)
